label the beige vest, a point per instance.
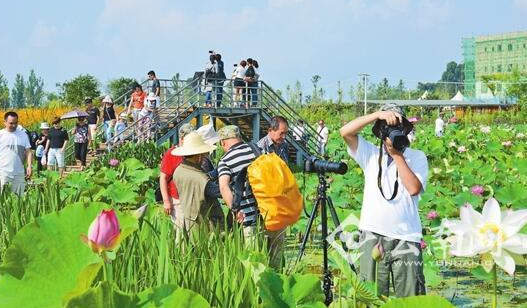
(190, 183)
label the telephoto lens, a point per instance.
(313, 164)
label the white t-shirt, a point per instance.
(13, 147)
(324, 134)
(440, 124)
(398, 218)
(240, 71)
(298, 132)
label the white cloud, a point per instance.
(520, 4)
(43, 35)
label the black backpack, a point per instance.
(33, 137)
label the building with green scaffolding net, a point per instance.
(493, 54)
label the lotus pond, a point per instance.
(44, 262)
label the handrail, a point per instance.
(117, 103)
(159, 109)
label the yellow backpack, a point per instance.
(275, 190)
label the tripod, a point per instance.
(324, 201)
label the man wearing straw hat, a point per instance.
(169, 193)
(196, 191)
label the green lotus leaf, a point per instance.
(48, 263)
(106, 295)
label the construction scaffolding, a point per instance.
(493, 54)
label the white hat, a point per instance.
(44, 125)
(123, 115)
(107, 99)
(193, 145)
(209, 135)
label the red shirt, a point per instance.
(169, 163)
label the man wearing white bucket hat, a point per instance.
(196, 191)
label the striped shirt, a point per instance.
(238, 157)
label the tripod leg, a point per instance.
(308, 229)
(336, 221)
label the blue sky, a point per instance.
(292, 39)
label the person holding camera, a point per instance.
(395, 177)
(220, 75)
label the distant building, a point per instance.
(487, 55)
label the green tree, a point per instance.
(17, 92)
(298, 92)
(33, 91)
(400, 90)
(74, 91)
(352, 93)
(383, 89)
(314, 80)
(4, 92)
(339, 93)
(454, 76)
(118, 87)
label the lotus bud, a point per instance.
(104, 232)
(377, 252)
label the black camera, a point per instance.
(313, 164)
(396, 133)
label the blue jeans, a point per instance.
(208, 97)
(107, 129)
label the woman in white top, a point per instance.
(238, 75)
(147, 116)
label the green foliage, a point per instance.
(4, 92)
(118, 87)
(48, 260)
(34, 90)
(18, 99)
(74, 91)
(108, 296)
(278, 290)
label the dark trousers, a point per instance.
(219, 92)
(253, 93)
(40, 167)
(81, 149)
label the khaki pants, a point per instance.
(176, 215)
(402, 261)
(18, 183)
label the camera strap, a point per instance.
(379, 183)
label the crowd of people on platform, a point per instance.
(244, 80)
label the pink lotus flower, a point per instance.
(113, 162)
(453, 120)
(477, 190)
(423, 244)
(507, 143)
(413, 120)
(104, 232)
(461, 149)
(432, 215)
